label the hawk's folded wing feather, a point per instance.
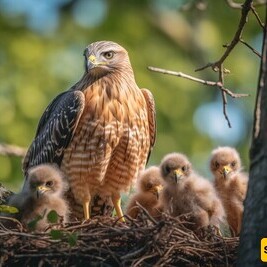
(55, 130)
(151, 110)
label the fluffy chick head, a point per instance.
(45, 180)
(224, 162)
(175, 167)
(150, 181)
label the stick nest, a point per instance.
(105, 241)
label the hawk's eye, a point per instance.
(233, 164)
(184, 168)
(49, 183)
(217, 164)
(108, 55)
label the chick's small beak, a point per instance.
(41, 190)
(177, 175)
(226, 170)
(156, 190)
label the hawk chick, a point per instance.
(42, 192)
(185, 192)
(230, 183)
(147, 195)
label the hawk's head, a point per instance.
(224, 162)
(105, 57)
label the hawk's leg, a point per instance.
(86, 209)
(116, 199)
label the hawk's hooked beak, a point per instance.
(93, 63)
(178, 175)
(41, 190)
(226, 170)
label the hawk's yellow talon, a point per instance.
(117, 205)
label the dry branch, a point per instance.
(250, 47)
(219, 85)
(104, 241)
(218, 65)
(12, 150)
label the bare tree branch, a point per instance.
(250, 47)
(260, 3)
(244, 15)
(257, 16)
(194, 79)
(219, 85)
(12, 150)
(218, 65)
(232, 4)
(235, 5)
(224, 97)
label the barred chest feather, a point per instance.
(111, 142)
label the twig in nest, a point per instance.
(167, 242)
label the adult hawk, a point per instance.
(99, 132)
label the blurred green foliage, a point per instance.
(37, 65)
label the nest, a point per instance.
(105, 241)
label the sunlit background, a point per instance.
(41, 46)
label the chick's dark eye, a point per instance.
(184, 168)
(217, 164)
(49, 183)
(149, 185)
(167, 169)
(233, 164)
(108, 55)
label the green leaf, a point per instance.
(8, 209)
(32, 224)
(52, 216)
(72, 239)
(56, 234)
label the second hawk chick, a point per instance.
(230, 183)
(185, 192)
(42, 192)
(147, 195)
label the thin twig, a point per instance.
(12, 150)
(257, 16)
(259, 3)
(250, 47)
(246, 7)
(232, 4)
(224, 97)
(218, 85)
(194, 79)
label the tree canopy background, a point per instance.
(41, 47)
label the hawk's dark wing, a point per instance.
(151, 111)
(55, 130)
